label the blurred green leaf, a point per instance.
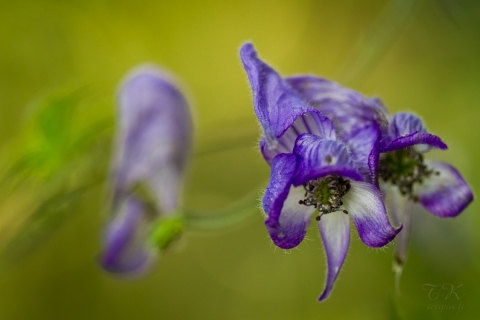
(51, 213)
(58, 162)
(54, 118)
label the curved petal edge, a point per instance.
(445, 195)
(335, 231)
(365, 206)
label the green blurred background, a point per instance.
(420, 56)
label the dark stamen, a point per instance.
(325, 194)
(404, 168)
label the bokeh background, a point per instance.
(420, 56)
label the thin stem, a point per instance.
(225, 217)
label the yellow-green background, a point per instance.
(424, 58)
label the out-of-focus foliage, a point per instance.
(54, 165)
(420, 56)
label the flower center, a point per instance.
(404, 168)
(325, 194)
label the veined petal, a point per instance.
(349, 109)
(310, 122)
(363, 150)
(276, 104)
(365, 205)
(407, 130)
(287, 219)
(422, 140)
(445, 195)
(126, 249)
(404, 123)
(335, 231)
(154, 136)
(319, 157)
(289, 230)
(358, 120)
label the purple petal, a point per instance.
(407, 130)
(445, 195)
(319, 157)
(362, 146)
(365, 205)
(125, 248)
(287, 219)
(269, 154)
(349, 109)
(276, 104)
(335, 232)
(310, 122)
(358, 120)
(154, 136)
(414, 139)
(373, 159)
(404, 123)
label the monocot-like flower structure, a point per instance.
(317, 169)
(152, 146)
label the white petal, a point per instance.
(365, 205)
(335, 231)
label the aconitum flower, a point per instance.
(402, 140)
(359, 121)
(437, 186)
(312, 172)
(152, 146)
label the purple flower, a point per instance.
(401, 140)
(359, 121)
(152, 147)
(126, 249)
(313, 169)
(438, 186)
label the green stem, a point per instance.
(225, 217)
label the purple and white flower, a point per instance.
(153, 143)
(394, 146)
(359, 121)
(314, 168)
(437, 186)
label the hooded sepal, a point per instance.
(154, 136)
(350, 110)
(276, 104)
(407, 130)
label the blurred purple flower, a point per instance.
(153, 144)
(312, 170)
(438, 186)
